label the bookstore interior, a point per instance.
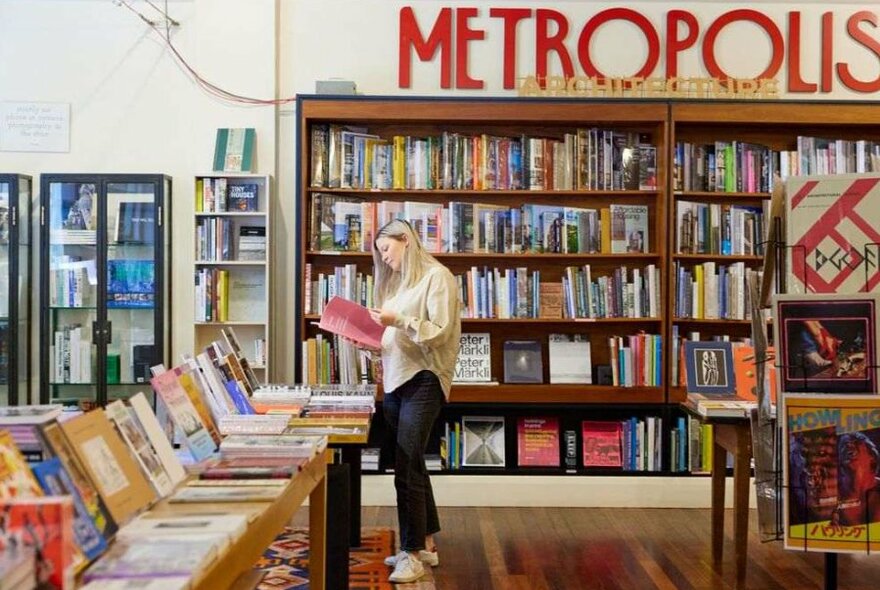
(664, 252)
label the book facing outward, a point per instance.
(139, 445)
(109, 464)
(160, 443)
(474, 361)
(351, 320)
(227, 494)
(537, 442)
(234, 149)
(184, 415)
(16, 478)
(151, 558)
(231, 525)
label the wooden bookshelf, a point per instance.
(218, 230)
(501, 118)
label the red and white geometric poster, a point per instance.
(833, 233)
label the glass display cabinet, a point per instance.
(15, 288)
(104, 284)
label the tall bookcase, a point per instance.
(16, 191)
(750, 132)
(104, 284)
(232, 261)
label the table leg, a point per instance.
(719, 474)
(741, 475)
(318, 535)
(352, 456)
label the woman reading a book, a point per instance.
(417, 300)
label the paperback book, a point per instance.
(474, 361)
(482, 441)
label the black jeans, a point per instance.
(410, 411)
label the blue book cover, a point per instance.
(55, 481)
(709, 367)
(130, 283)
(239, 399)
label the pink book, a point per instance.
(351, 320)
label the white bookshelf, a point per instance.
(218, 250)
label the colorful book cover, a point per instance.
(242, 197)
(352, 321)
(602, 443)
(827, 345)
(139, 445)
(16, 478)
(537, 441)
(45, 525)
(831, 473)
(234, 149)
(56, 482)
(744, 366)
(185, 416)
(60, 447)
(482, 441)
(833, 231)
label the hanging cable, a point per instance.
(206, 85)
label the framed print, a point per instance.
(827, 345)
(482, 441)
(709, 367)
(831, 472)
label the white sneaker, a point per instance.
(431, 558)
(407, 569)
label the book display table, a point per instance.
(730, 435)
(268, 520)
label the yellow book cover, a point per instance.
(605, 222)
(398, 162)
(16, 478)
(200, 195)
(700, 311)
(194, 393)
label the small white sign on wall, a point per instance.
(34, 127)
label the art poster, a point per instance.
(827, 346)
(831, 473)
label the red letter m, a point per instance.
(411, 36)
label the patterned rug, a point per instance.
(286, 561)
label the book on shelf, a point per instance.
(353, 321)
(629, 228)
(107, 460)
(246, 295)
(135, 222)
(482, 441)
(474, 361)
(252, 242)
(158, 582)
(730, 406)
(537, 441)
(43, 525)
(523, 362)
(243, 197)
(234, 149)
(601, 443)
(570, 359)
(151, 526)
(131, 283)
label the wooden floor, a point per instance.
(589, 548)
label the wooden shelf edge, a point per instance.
(547, 393)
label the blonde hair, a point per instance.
(415, 263)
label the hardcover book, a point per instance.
(44, 525)
(833, 233)
(482, 441)
(629, 228)
(135, 222)
(523, 362)
(109, 464)
(139, 445)
(570, 359)
(157, 439)
(196, 435)
(56, 482)
(601, 443)
(537, 441)
(827, 345)
(227, 494)
(16, 478)
(353, 321)
(242, 197)
(234, 149)
(60, 447)
(131, 283)
(709, 367)
(474, 361)
(149, 558)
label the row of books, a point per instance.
(219, 195)
(714, 228)
(71, 282)
(216, 240)
(713, 291)
(633, 444)
(691, 446)
(348, 223)
(585, 159)
(230, 294)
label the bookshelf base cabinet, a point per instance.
(589, 238)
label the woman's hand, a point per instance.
(383, 317)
